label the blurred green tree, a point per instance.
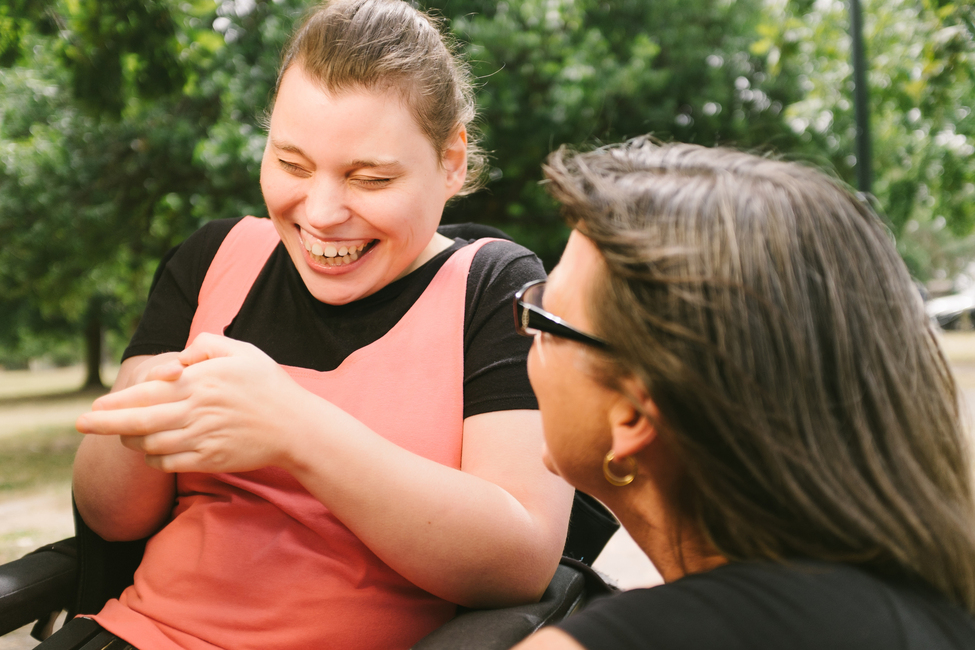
(126, 124)
(921, 76)
(581, 72)
(122, 130)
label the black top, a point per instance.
(759, 606)
(282, 318)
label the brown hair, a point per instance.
(388, 45)
(765, 309)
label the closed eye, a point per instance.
(291, 167)
(373, 182)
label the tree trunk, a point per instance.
(93, 345)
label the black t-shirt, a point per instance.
(763, 606)
(283, 319)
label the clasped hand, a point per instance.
(216, 406)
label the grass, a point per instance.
(37, 413)
(37, 458)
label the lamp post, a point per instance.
(860, 101)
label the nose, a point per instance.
(326, 204)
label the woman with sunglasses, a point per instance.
(346, 448)
(733, 358)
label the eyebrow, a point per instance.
(359, 164)
(290, 148)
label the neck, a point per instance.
(675, 546)
(438, 243)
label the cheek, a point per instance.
(536, 363)
(266, 173)
(548, 462)
(270, 190)
(280, 191)
(550, 395)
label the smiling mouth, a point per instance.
(336, 253)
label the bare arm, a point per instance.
(549, 638)
(118, 495)
(488, 535)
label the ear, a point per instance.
(632, 419)
(455, 161)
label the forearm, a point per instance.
(452, 533)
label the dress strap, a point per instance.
(232, 273)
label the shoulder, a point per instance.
(499, 269)
(507, 262)
(502, 251)
(201, 247)
(764, 605)
(210, 235)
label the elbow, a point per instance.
(112, 527)
(517, 585)
(521, 575)
(117, 519)
(513, 596)
(126, 533)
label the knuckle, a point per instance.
(142, 424)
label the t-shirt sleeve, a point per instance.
(495, 355)
(165, 323)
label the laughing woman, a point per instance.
(733, 358)
(347, 446)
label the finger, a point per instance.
(208, 346)
(169, 371)
(140, 421)
(158, 444)
(147, 393)
(187, 461)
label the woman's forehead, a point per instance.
(360, 123)
(572, 278)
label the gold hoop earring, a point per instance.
(616, 479)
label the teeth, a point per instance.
(333, 255)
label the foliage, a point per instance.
(119, 136)
(126, 124)
(921, 81)
(583, 72)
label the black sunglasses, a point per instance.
(530, 318)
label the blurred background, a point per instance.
(126, 124)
